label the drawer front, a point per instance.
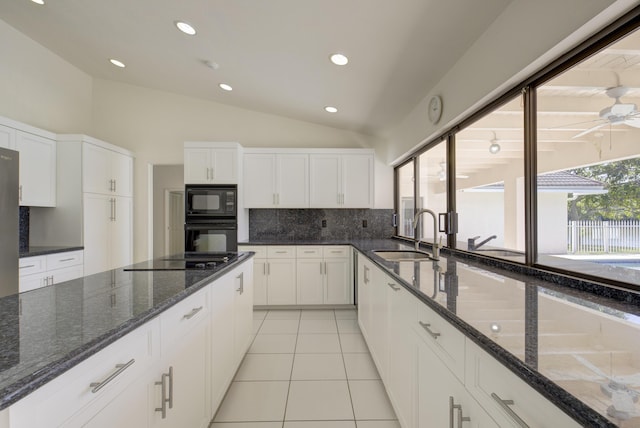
(281, 252)
(444, 339)
(177, 321)
(260, 250)
(101, 377)
(506, 397)
(63, 260)
(309, 252)
(31, 265)
(336, 251)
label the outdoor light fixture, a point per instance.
(494, 148)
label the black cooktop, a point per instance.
(189, 261)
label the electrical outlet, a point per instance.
(324, 223)
(364, 223)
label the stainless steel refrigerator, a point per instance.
(9, 212)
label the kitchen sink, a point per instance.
(403, 255)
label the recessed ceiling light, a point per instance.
(339, 59)
(331, 109)
(225, 87)
(117, 63)
(186, 28)
(38, 1)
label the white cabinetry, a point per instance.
(324, 275)
(180, 390)
(274, 274)
(106, 171)
(276, 180)
(37, 170)
(211, 163)
(107, 232)
(7, 137)
(341, 180)
(39, 271)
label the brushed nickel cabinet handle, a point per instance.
(65, 260)
(27, 266)
(193, 313)
(164, 399)
(505, 404)
(20, 192)
(240, 289)
(393, 286)
(431, 332)
(456, 408)
(97, 386)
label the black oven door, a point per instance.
(211, 238)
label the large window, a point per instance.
(588, 183)
(547, 176)
(490, 183)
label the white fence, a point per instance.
(604, 236)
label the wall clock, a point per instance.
(435, 109)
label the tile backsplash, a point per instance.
(320, 224)
(24, 229)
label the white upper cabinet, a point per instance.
(106, 171)
(37, 170)
(341, 180)
(7, 137)
(276, 180)
(211, 163)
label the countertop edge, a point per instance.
(43, 250)
(22, 388)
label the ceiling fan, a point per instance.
(442, 174)
(616, 114)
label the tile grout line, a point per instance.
(293, 362)
(346, 374)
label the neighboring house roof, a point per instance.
(561, 182)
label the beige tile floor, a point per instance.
(306, 369)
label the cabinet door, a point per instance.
(7, 137)
(378, 343)
(281, 282)
(224, 168)
(337, 285)
(259, 282)
(98, 214)
(222, 337)
(121, 251)
(243, 312)
(66, 274)
(197, 165)
(259, 180)
(32, 282)
(439, 391)
(96, 174)
(357, 181)
(37, 170)
(403, 368)
(122, 174)
(310, 279)
(324, 181)
(292, 181)
(364, 295)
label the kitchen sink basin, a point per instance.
(403, 255)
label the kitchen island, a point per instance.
(576, 343)
(49, 332)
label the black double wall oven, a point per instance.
(211, 218)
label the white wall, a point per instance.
(41, 89)
(552, 223)
(525, 37)
(485, 221)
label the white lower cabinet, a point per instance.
(180, 390)
(364, 284)
(324, 275)
(40, 271)
(274, 274)
(171, 372)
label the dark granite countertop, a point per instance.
(35, 250)
(567, 338)
(47, 331)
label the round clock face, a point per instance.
(435, 109)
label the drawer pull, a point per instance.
(431, 332)
(505, 406)
(453, 408)
(281, 252)
(191, 314)
(65, 260)
(309, 252)
(336, 252)
(97, 386)
(393, 286)
(27, 266)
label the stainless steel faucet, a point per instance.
(416, 218)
